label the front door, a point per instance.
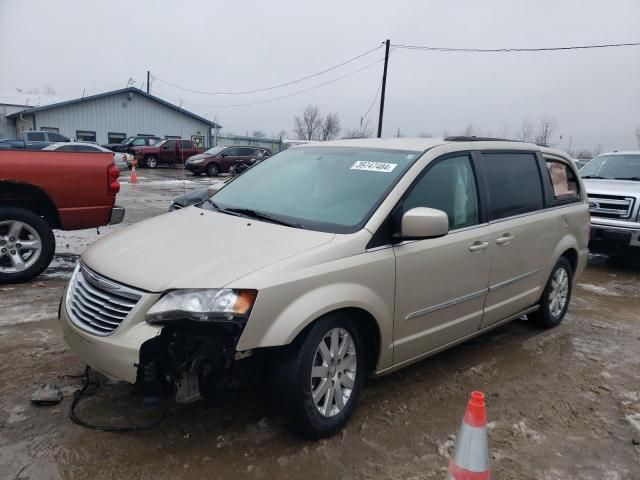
(168, 151)
(441, 283)
(522, 235)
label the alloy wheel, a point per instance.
(559, 292)
(20, 246)
(333, 372)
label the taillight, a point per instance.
(113, 173)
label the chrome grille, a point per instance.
(609, 206)
(97, 304)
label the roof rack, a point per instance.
(463, 138)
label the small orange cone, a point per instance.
(471, 455)
(133, 178)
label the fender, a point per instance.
(281, 329)
(567, 242)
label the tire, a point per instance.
(21, 224)
(213, 170)
(558, 289)
(151, 161)
(300, 370)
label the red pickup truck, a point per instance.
(45, 190)
(168, 152)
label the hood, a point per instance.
(192, 197)
(612, 187)
(199, 156)
(195, 248)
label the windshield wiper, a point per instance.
(247, 212)
(223, 210)
(635, 179)
(595, 176)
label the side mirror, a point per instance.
(423, 222)
(214, 187)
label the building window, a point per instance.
(85, 136)
(50, 129)
(113, 137)
(172, 137)
(198, 140)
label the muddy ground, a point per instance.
(562, 403)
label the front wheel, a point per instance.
(213, 170)
(151, 161)
(27, 245)
(556, 296)
(318, 379)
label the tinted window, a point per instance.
(169, 145)
(35, 136)
(514, 183)
(232, 152)
(564, 182)
(56, 137)
(449, 185)
(67, 148)
(140, 141)
(246, 152)
(86, 148)
(186, 144)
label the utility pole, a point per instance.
(148, 80)
(384, 86)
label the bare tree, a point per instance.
(505, 130)
(468, 131)
(638, 136)
(546, 129)
(364, 131)
(330, 127)
(525, 134)
(258, 134)
(308, 126)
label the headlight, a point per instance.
(222, 304)
(195, 160)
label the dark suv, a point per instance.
(219, 159)
(129, 143)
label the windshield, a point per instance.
(214, 150)
(615, 167)
(127, 141)
(331, 189)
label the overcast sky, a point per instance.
(96, 46)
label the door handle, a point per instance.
(505, 239)
(478, 246)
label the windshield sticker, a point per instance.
(374, 166)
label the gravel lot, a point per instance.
(562, 403)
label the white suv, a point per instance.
(329, 262)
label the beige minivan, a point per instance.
(329, 262)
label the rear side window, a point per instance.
(563, 180)
(513, 182)
(186, 144)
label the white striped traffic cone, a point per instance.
(471, 455)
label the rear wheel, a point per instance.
(556, 297)
(151, 161)
(213, 170)
(318, 379)
(27, 245)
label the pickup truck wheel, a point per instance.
(556, 297)
(213, 170)
(317, 380)
(27, 245)
(151, 161)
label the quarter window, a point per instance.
(450, 186)
(514, 184)
(563, 180)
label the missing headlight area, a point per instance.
(189, 362)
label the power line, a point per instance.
(273, 87)
(299, 92)
(373, 102)
(514, 50)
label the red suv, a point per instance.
(219, 160)
(168, 152)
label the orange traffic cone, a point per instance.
(471, 455)
(133, 178)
